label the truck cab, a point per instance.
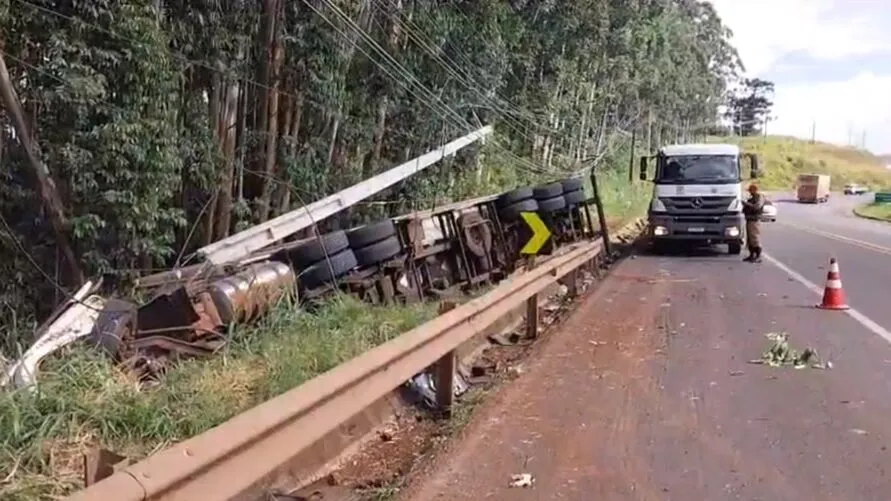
(697, 194)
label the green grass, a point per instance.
(623, 200)
(875, 211)
(83, 400)
(784, 158)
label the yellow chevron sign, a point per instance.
(540, 233)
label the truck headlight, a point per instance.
(656, 205)
(731, 231)
(660, 231)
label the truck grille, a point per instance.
(697, 219)
(697, 203)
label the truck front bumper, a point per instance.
(716, 229)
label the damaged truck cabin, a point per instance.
(697, 195)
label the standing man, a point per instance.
(752, 211)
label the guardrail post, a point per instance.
(445, 383)
(572, 283)
(601, 218)
(444, 373)
(532, 317)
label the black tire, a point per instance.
(546, 191)
(734, 248)
(364, 236)
(552, 204)
(315, 250)
(378, 252)
(575, 197)
(572, 184)
(512, 212)
(321, 272)
(514, 196)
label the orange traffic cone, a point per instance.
(833, 293)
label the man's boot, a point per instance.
(757, 258)
(751, 257)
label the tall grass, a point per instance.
(784, 158)
(84, 400)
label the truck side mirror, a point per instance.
(643, 168)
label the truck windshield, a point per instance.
(699, 169)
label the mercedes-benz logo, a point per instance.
(696, 202)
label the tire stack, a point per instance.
(375, 243)
(512, 203)
(549, 197)
(573, 191)
(322, 260)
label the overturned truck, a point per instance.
(430, 254)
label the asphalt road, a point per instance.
(806, 236)
(647, 393)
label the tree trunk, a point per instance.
(276, 55)
(46, 187)
(227, 123)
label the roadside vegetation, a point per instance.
(784, 158)
(881, 212)
(84, 400)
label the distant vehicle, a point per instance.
(697, 194)
(813, 188)
(769, 212)
(855, 189)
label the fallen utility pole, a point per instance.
(45, 187)
(252, 239)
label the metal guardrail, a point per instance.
(882, 197)
(234, 457)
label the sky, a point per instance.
(829, 59)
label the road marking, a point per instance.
(856, 315)
(853, 241)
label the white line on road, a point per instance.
(856, 315)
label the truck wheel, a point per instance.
(547, 191)
(512, 197)
(735, 248)
(364, 236)
(512, 212)
(321, 273)
(315, 250)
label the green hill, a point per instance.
(784, 158)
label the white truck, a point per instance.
(697, 194)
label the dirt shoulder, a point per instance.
(646, 392)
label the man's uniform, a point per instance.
(752, 210)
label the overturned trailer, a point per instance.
(436, 253)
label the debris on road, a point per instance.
(522, 480)
(781, 353)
